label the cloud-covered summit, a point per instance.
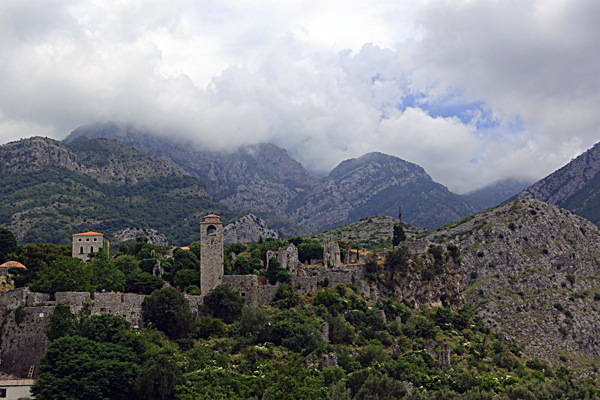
(471, 91)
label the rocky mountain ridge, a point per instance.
(265, 180)
(107, 161)
(248, 229)
(50, 190)
(533, 273)
(576, 186)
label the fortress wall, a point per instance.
(246, 285)
(24, 344)
(266, 293)
(72, 299)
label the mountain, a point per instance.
(50, 190)
(378, 183)
(265, 180)
(534, 276)
(261, 178)
(575, 186)
(495, 193)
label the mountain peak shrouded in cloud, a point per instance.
(473, 92)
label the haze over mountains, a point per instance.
(265, 180)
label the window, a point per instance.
(211, 231)
(92, 249)
(80, 239)
(243, 294)
(87, 240)
(95, 239)
(3, 393)
(81, 250)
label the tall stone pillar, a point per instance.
(211, 253)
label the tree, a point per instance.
(127, 264)
(285, 297)
(399, 235)
(79, 368)
(67, 274)
(224, 303)
(8, 244)
(142, 283)
(103, 327)
(186, 277)
(169, 311)
(105, 274)
(160, 374)
(310, 251)
(398, 260)
(36, 257)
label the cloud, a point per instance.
(471, 91)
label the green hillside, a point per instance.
(50, 191)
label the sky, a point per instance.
(473, 91)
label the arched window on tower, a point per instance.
(211, 231)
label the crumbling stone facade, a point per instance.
(331, 255)
(211, 253)
(288, 258)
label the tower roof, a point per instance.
(212, 219)
(92, 234)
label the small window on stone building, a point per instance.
(3, 393)
(80, 239)
(211, 231)
(95, 239)
(81, 250)
(243, 294)
(92, 249)
(87, 240)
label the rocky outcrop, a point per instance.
(532, 270)
(248, 229)
(104, 160)
(557, 187)
(127, 234)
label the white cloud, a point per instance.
(325, 80)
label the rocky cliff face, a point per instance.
(576, 186)
(127, 234)
(248, 229)
(533, 272)
(103, 160)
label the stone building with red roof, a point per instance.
(89, 242)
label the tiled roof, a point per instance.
(88, 234)
(10, 264)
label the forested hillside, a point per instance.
(50, 191)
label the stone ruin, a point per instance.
(288, 258)
(327, 360)
(331, 255)
(443, 358)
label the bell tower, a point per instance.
(211, 253)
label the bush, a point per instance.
(224, 303)
(285, 297)
(210, 327)
(169, 311)
(257, 322)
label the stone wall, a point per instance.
(416, 248)
(246, 285)
(24, 343)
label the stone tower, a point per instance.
(89, 242)
(211, 253)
